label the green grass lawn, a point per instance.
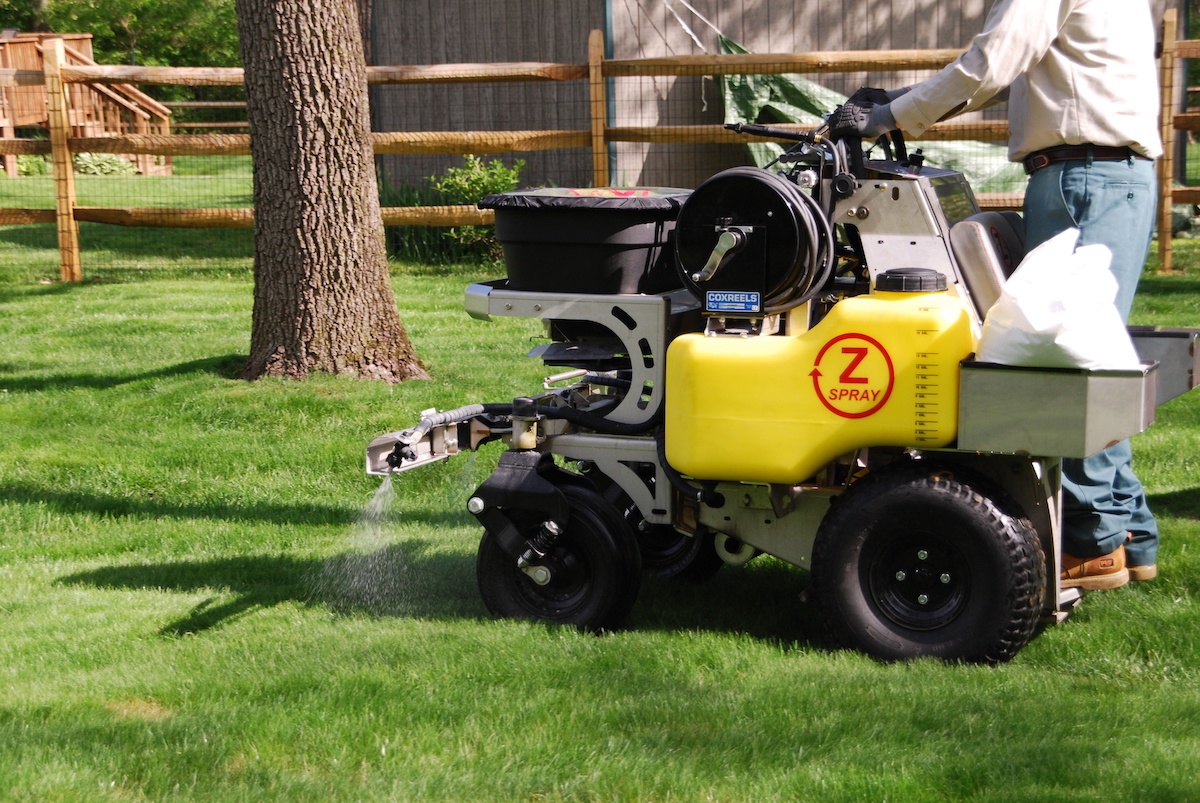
(203, 598)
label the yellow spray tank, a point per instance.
(878, 370)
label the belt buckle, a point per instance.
(1036, 162)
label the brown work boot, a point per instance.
(1094, 574)
(1142, 573)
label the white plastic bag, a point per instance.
(1057, 311)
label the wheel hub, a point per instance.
(919, 582)
(538, 573)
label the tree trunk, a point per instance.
(322, 297)
(39, 9)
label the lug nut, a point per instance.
(945, 578)
(923, 599)
(901, 576)
(475, 505)
(922, 554)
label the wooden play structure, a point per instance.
(96, 110)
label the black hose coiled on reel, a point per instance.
(789, 246)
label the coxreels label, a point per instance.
(853, 375)
(733, 301)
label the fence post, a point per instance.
(599, 108)
(53, 57)
(1166, 165)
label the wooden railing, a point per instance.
(59, 75)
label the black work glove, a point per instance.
(866, 114)
(863, 120)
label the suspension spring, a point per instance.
(543, 541)
(539, 546)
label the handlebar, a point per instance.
(894, 139)
(772, 131)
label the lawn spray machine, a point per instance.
(781, 361)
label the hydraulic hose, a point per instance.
(608, 381)
(599, 423)
(458, 414)
(685, 488)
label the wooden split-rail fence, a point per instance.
(58, 76)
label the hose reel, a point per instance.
(749, 243)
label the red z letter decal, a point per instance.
(846, 378)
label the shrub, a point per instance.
(472, 181)
(102, 164)
(32, 164)
(465, 184)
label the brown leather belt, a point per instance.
(1068, 153)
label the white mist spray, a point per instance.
(371, 576)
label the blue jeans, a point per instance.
(1114, 203)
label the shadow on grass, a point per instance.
(400, 580)
(1152, 284)
(10, 293)
(414, 579)
(227, 366)
(766, 599)
(1184, 503)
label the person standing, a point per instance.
(1083, 103)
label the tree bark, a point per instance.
(366, 10)
(322, 297)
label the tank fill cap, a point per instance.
(910, 280)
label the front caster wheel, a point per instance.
(915, 561)
(589, 578)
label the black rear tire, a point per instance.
(673, 555)
(666, 552)
(595, 570)
(919, 560)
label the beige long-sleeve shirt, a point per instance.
(1078, 71)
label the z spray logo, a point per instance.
(853, 376)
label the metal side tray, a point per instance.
(1176, 352)
(1052, 412)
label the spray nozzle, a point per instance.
(402, 452)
